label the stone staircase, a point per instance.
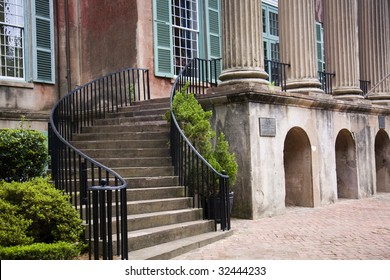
(134, 142)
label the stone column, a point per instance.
(242, 42)
(298, 44)
(374, 38)
(342, 48)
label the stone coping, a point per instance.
(256, 93)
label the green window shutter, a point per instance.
(162, 27)
(214, 32)
(43, 40)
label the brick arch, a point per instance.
(382, 161)
(346, 165)
(298, 169)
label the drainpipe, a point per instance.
(67, 47)
(58, 61)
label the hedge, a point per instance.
(42, 251)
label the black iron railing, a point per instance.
(364, 86)
(326, 81)
(277, 72)
(208, 188)
(372, 89)
(95, 190)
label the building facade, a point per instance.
(304, 83)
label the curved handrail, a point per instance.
(94, 189)
(186, 158)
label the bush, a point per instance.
(42, 251)
(227, 161)
(52, 218)
(195, 122)
(13, 226)
(23, 154)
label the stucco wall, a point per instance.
(260, 188)
(107, 37)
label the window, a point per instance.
(320, 46)
(271, 32)
(11, 41)
(185, 29)
(271, 41)
(22, 21)
(185, 32)
(273, 23)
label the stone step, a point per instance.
(153, 101)
(137, 107)
(135, 162)
(118, 118)
(144, 171)
(157, 219)
(163, 218)
(150, 237)
(158, 135)
(120, 144)
(156, 205)
(170, 250)
(129, 172)
(153, 206)
(155, 193)
(134, 183)
(152, 182)
(138, 112)
(157, 235)
(127, 153)
(159, 126)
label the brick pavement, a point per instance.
(346, 230)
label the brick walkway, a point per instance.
(346, 230)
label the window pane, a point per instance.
(274, 24)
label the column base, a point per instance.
(304, 86)
(380, 98)
(238, 76)
(347, 93)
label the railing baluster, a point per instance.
(78, 109)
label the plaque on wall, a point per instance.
(382, 122)
(267, 127)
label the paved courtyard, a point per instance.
(346, 230)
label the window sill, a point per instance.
(16, 84)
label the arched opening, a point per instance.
(382, 161)
(346, 167)
(298, 169)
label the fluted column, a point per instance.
(342, 48)
(374, 27)
(242, 42)
(298, 44)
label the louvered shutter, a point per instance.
(43, 40)
(214, 32)
(163, 50)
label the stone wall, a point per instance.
(273, 172)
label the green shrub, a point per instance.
(195, 122)
(227, 161)
(13, 226)
(23, 154)
(42, 251)
(52, 216)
